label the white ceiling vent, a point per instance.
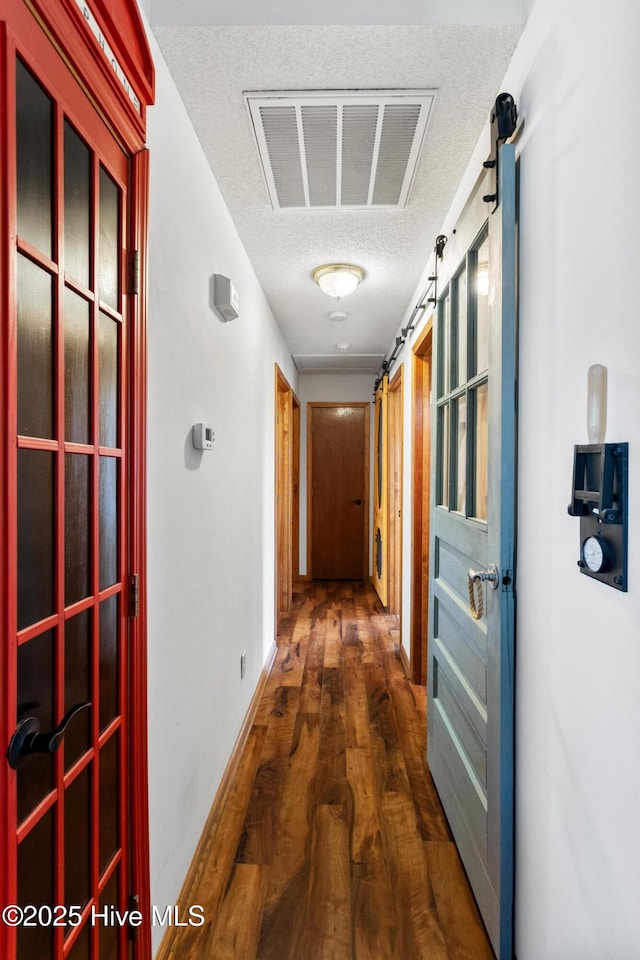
(348, 149)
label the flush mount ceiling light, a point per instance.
(343, 346)
(338, 315)
(338, 279)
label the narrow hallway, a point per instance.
(331, 843)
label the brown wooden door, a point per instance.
(338, 440)
(68, 533)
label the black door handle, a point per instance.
(27, 738)
(358, 503)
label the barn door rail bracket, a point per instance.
(504, 120)
(428, 296)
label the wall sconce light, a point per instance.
(338, 279)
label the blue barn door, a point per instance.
(471, 596)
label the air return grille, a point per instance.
(349, 150)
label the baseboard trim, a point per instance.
(166, 945)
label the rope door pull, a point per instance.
(476, 593)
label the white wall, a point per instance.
(574, 77)
(578, 786)
(330, 388)
(211, 516)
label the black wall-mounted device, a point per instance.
(600, 498)
(504, 119)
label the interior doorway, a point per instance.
(338, 491)
(422, 364)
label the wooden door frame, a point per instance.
(395, 406)
(422, 367)
(381, 497)
(311, 406)
(287, 489)
(37, 31)
(295, 490)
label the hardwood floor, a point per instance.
(332, 844)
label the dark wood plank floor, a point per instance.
(332, 844)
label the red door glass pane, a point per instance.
(77, 840)
(36, 536)
(35, 351)
(77, 527)
(34, 134)
(109, 783)
(109, 660)
(108, 514)
(109, 249)
(76, 368)
(36, 887)
(108, 389)
(77, 209)
(108, 935)
(77, 684)
(35, 699)
(81, 947)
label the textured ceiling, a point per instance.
(212, 67)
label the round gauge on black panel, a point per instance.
(597, 554)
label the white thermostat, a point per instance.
(225, 298)
(202, 436)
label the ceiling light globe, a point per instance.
(338, 279)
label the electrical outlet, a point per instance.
(243, 664)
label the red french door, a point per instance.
(68, 537)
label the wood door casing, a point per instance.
(287, 489)
(338, 482)
(396, 443)
(421, 407)
(380, 576)
(295, 490)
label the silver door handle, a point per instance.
(490, 575)
(476, 578)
